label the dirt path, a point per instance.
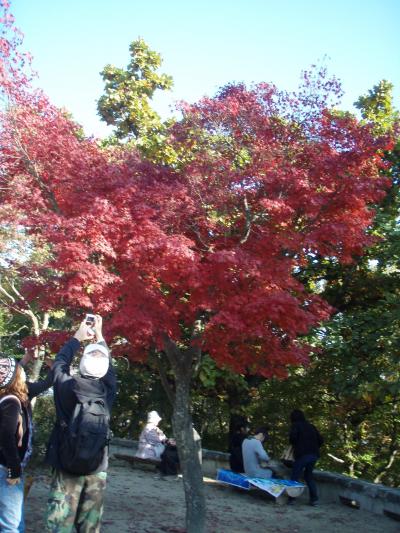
(137, 502)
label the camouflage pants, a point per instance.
(75, 501)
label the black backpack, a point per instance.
(85, 436)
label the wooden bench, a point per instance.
(133, 460)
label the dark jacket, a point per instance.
(169, 465)
(236, 455)
(305, 438)
(12, 455)
(65, 398)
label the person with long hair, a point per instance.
(15, 439)
(306, 441)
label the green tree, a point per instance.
(377, 107)
(356, 382)
(126, 102)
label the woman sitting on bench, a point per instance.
(254, 455)
(152, 439)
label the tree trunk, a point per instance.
(189, 459)
(39, 350)
(188, 447)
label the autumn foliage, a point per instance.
(268, 182)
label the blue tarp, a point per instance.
(273, 486)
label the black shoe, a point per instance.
(314, 503)
(290, 501)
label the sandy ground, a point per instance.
(137, 502)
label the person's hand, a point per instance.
(29, 356)
(48, 361)
(83, 333)
(13, 481)
(98, 325)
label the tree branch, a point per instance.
(385, 468)
(33, 170)
(249, 220)
(336, 458)
(3, 291)
(15, 332)
(205, 246)
(198, 327)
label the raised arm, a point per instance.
(37, 387)
(63, 360)
(110, 379)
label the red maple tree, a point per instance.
(200, 258)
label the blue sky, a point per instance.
(206, 44)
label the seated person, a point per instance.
(254, 454)
(169, 459)
(152, 439)
(235, 448)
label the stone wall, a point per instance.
(359, 494)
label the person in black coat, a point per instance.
(169, 465)
(306, 441)
(74, 499)
(235, 447)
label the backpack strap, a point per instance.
(10, 397)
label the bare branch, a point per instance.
(16, 291)
(45, 321)
(197, 344)
(206, 247)
(6, 294)
(336, 458)
(385, 468)
(10, 306)
(249, 220)
(15, 332)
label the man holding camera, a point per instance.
(78, 446)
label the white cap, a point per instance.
(153, 418)
(94, 347)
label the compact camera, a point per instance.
(90, 320)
